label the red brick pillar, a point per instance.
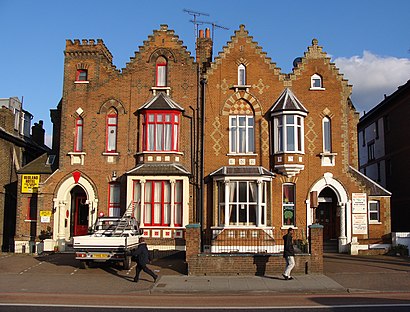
(316, 248)
(193, 246)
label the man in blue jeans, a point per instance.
(288, 254)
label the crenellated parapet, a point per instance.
(87, 47)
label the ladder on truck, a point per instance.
(125, 220)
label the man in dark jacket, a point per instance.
(288, 254)
(141, 255)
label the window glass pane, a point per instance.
(161, 75)
(290, 119)
(290, 138)
(167, 137)
(159, 118)
(243, 192)
(288, 204)
(159, 139)
(167, 118)
(151, 137)
(242, 140)
(326, 135)
(151, 118)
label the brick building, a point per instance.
(382, 133)
(231, 144)
(281, 151)
(124, 141)
(18, 147)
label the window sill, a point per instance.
(375, 222)
(111, 154)
(80, 81)
(160, 152)
(241, 87)
(242, 154)
(30, 220)
(76, 153)
(156, 89)
(285, 227)
(317, 89)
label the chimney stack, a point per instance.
(204, 49)
(38, 133)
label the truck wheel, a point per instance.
(84, 264)
(127, 263)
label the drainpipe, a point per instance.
(202, 132)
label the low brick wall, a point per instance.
(250, 264)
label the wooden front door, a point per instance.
(80, 216)
(326, 214)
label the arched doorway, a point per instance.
(79, 212)
(326, 214)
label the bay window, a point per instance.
(288, 136)
(242, 203)
(161, 131)
(114, 200)
(162, 203)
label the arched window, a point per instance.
(316, 82)
(78, 139)
(161, 72)
(241, 75)
(111, 131)
(327, 135)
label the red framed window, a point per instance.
(78, 139)
(178, 203)
(161, 131)
(82, 75)
(158, 204)
(114, 200)
(111, 133)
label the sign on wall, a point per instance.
(45, 216)
(359, 203)
(29, 183)
(359, 223)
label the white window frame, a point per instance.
(313, 82)
(377, 212)
(327, 134)
(230, 205)
(281, 135)
(241, 75)
(241, 136)
(114, 200)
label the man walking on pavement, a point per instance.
(141, 255)
(288, 254)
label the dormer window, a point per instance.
(82, 75)
(241, 75)
(316, 82)
(161, 72)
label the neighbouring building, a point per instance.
(18, 147)
(125, 141)
(382, 137)
(230, 144)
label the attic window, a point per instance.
(316, 82)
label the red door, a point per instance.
(80, 216)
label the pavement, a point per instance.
(312, 283)
(342, 274)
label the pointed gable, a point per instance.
(287, 101)
(161, 102)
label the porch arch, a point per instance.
(62, 206)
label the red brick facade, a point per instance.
(233, 155)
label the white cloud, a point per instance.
(372, 76)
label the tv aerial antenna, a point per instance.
(195, 14)
(214, 25)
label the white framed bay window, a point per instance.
(288, 133)
(242, 202)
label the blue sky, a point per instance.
(369, 40)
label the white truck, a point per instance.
(112, 240)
